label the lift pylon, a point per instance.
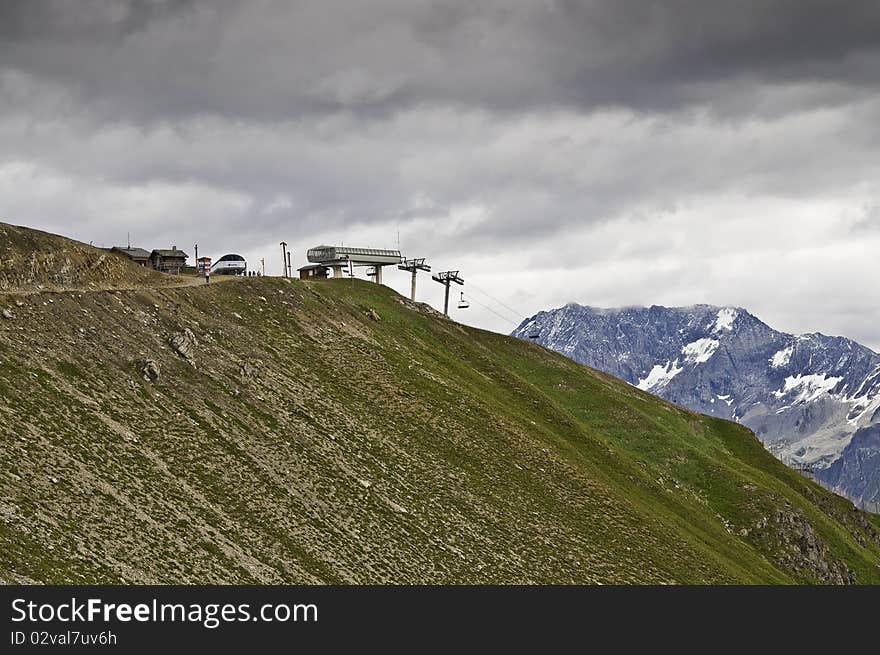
(414, 265)
(446, 278)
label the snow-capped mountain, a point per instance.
(805, 396)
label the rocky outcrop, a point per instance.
(421, 307)
(184, 344)
(150, 370)
(248, 371)
(795, 545)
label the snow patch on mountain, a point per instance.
(810, 386)
(725, 319)
(782, 358)
(660, 376)
(863, 408)
(700, 351)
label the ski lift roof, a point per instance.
(358, 256)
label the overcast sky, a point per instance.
(612, 152)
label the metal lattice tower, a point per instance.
(446, 278)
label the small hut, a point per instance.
(169, 261)
(138, 255)
(314, 272)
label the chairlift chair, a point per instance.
(462, 303)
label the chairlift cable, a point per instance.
(486, 293)
(486, 307)
(519, 316)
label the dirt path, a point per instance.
(184, 281)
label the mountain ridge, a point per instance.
(804, 395)
(33, 260)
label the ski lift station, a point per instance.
(338, 257)
(323, 258)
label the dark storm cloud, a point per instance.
(275, 60)
(95, 20)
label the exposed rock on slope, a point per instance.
(31, 260)
(852, 472)
(184, 344)
(797, 546)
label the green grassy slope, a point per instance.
(310, 442)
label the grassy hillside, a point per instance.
(266, 430)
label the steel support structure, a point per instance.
(414, 266)
(446, 278)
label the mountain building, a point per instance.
(169, 261)
(139, 256)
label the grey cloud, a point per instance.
(868, 221)
(91, 20)
(272, 60)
